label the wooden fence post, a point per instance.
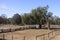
(48, 35)
(52, 33)
(36, 37)
(10, 29)
(3, 36)
(44, 37)
(2, 30)
(24, 38)
(12, 36)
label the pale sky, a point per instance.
(11, 7)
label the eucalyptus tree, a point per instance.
(16, 19)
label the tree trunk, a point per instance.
(48, 24)
(40, 26)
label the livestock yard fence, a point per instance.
(7, 34)
(49, 36)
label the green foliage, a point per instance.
(16, 19)
(4, 19)
(38, 15)
(1, 20)
(55, 20)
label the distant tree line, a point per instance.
(39, 15)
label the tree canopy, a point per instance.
(39, 15)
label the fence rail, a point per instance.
(49, 36)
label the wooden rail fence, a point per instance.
(48, 36)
